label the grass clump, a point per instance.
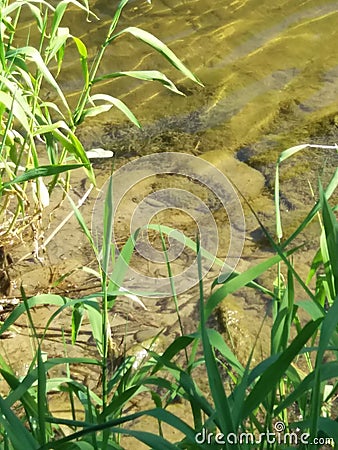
(286, 400)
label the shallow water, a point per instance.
(269, 72)
(250, 56)
(270, 76)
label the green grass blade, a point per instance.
(331, 232)
(74, 147)
(57, 17)
(283, 156)
(314, 310)
(217, 341)
(18, 112)
(36, 12)
(61, 9)
(85, 302)
(282, 323)
(122, 263)
(42, 171)
(8, 10)
(186, 382)
(328, 328)
(19, 436)
(16, 385)
(315, 264)
(95, 319)
(328, 371)
(18, 96)
(291, 151)
(155, 442)
(83, 225)
(144, 75)
(42, 399)
(330, 428)
(180, 237)
(56, 45)
(116, 18)
(34, 55)
(220, 399)
(112, 426)
(160, 47)
(175, 422)
(121, 400)
(112, 101)
(82, 50)
(108, 220)
(42, 299)
(93, 111)
(279, 229)
(77, 318)
(175, 347)
(330, 189)
(233, 284)
(275, 372)
(20, 388)
(172, 286)
(83, 445)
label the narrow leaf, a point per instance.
(159, 46)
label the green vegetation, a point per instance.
(29, 122)
(294, 387)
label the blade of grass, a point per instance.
(112, 425)
(12, 105)
(144, 75)
(180, 237)
(273, 374)
(233, 284)
(122, 263)
(20, 388)
(160, 47)
(328, 328)
(172, 285)
(42, 171)
(112, 101)
(328, 371)
(220, 399)
(20, 437)
(331, 232)
(42, 401)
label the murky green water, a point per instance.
(269, 69)
(255, 58)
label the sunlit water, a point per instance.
(269, 70)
